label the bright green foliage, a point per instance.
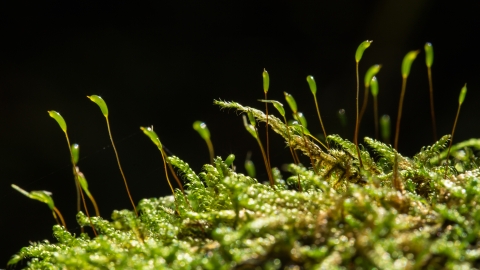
(429, 54)
(407, 62)
(361, 48)
(462, 95)
(101, 103)
(431, 152)
(248, 224)
(61, 122)
(312, 84)
(266, 81)
(152, 135)
(374, 86)
(344, 217)
(202, 129)
(371, 72)
(75, 153)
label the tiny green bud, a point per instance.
(428, 54)
(75, 153)
(407, 62)
(299, 128)
(374, 86)
(385, 127)
(229, 160)
(276, 104)
(152, 135)
(312, 84)
(300, 118)
(463, 93)
(101, 103)
(372, 71)
(250, 168)
(291, 102)
(61, 122)
(41, 195)
(266, 81)
(361, 48)
(202, 129)
(83, 181)
(343, 117)
(249, 127)
(279, 107)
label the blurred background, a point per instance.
(162, 63)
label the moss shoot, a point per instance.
(362, 206)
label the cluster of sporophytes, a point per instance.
(350, 207)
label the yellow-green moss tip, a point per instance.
(361, 48)
(407, 62)
(101, 103)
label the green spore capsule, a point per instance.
(276, 104)
(152, 135)
(374, 86)
(202, 129)
(279, 107)
(385, 127)
(371, 72)
(84, 185)
(361, 48)
(461, 98)
(312, 84)
(75, 153)
(39, 195)
(83, 182)
(342, 116)
(266, 81)
(407, 62)
(300, 118)
(299, 128)
(429, 54)
(462, 95)
(101, 103)
(229, 160)
(61, 122)
(103, 107)
(249, 127)
(250, 168)
(44, 197)
(291, 102)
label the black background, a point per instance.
(162, 63)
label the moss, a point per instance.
(394, 213)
